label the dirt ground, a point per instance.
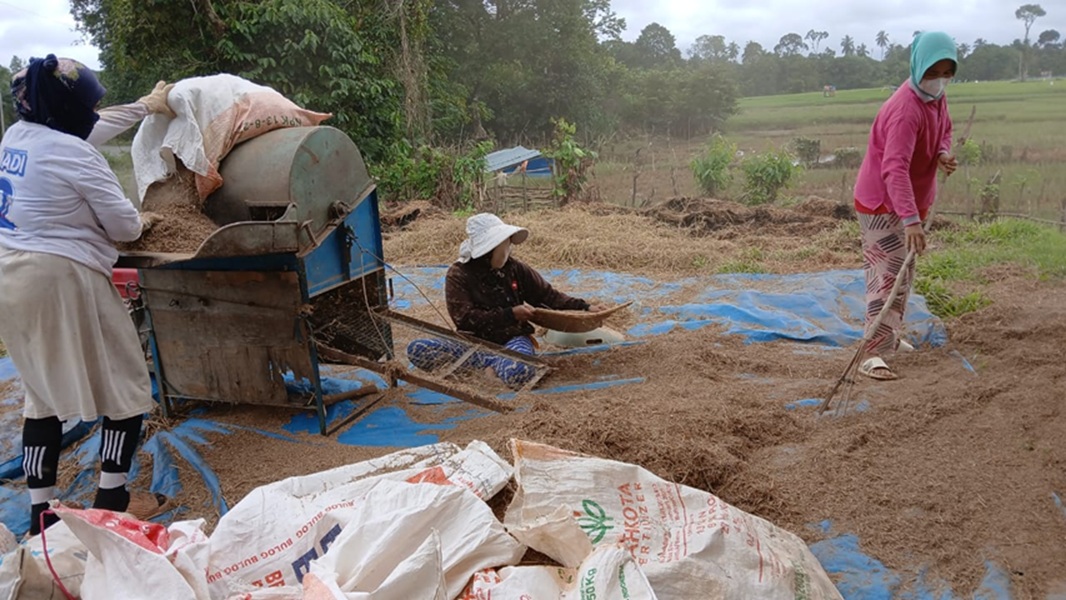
(942, 469)
(945, 469)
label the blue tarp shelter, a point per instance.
(510, 160)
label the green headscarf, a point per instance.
(929, 48)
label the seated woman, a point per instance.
(491, 297)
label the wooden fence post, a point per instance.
(636, 176)
(525, 192)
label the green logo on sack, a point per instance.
(595, 521)
(802, 582)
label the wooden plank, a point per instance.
(541, 372)
(457, 363)
(359, 412)
(228, 336)
(456, 336)
(366, 390)
(328, 354)
(268, 289)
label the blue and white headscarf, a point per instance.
(60, 93)
(927, 49)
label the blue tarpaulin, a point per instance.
(859, 575)
(821, 309)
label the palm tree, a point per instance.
(862, 50)
(964, 50)
(882, 42)
(847, 45)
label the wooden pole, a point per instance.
(849, 371)
(367, 390)
(636, 175)
(959, 143)
(334, 355)
(848, 376)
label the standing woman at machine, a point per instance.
(61, 212)
(896, 186)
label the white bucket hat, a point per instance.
(484, 232)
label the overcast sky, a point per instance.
(34, 28)
(765, 21)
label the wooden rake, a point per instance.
(847, 378)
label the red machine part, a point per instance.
(124, 281)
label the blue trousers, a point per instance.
(433, 354)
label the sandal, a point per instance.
(876, 368)
(144, 506)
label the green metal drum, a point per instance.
(296, 173)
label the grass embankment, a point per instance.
(952, 276)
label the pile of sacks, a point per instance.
(415, 525)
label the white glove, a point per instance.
(156, 101)
(149, 219)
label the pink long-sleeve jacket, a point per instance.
(898, 174)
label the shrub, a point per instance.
(970, 153)
(847, 158)
(808, 150)
(766, 174)
(572, 162)
(711, 169)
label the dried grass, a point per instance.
(621, 240)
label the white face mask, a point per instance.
(500, 254)
(935, 87)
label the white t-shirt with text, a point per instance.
(58, 195)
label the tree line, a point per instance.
(400, 75)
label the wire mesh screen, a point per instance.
(342, 318)
(441, 355)
(355, 319)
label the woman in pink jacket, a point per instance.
(909, 141)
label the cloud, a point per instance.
(39, 28)
(765, 21)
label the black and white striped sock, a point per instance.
(117, 446)
(42, 441)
